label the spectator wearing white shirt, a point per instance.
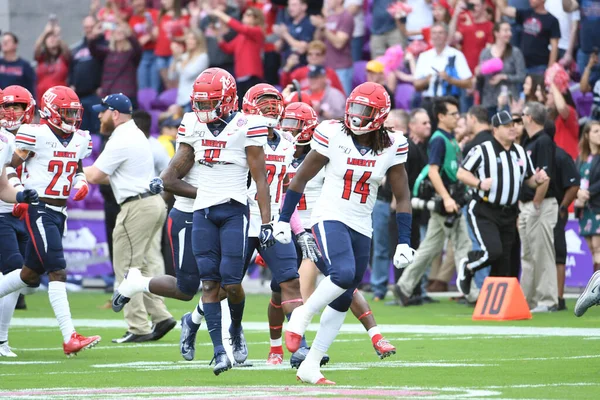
(569, 25)
(434, 74)
(127, 164)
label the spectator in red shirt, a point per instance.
(171, 25)
(246, 47)
(53, 57)
(328, 102)
(562, 110)
(441, 11)
(316, 56)
(142, 23)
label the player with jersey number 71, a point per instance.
(358, 153)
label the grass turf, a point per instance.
(427, 365)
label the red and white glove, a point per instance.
(20, 210)
(80, 187)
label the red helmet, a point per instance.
(367, 108)
(13, 119)
(62, 109)
(214, 95)
(263, 99)
(300, 120)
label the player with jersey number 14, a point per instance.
(59, 146)
(358, 153)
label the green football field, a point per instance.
(442, 354)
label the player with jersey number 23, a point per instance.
(358, 153)
(54, 171)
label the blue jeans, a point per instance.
(147, 72)
(380, 266)
(90, 121)
(582, 61)
(484, 272)
(356, 46)
(345, 75)
(466, 101)
(537, 69)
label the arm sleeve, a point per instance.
(473, 160)
(110, 159)
(320, 141)
(26, 138)
(519, 75)
(98, 49)
(253, 32)
(228, 47)
(569, 174)
(555, 29)
(401, 150)
(520, 17)
(462, 68)
(544, 154)
(256, 135)
(185, 132)
(437, 151)
(86, 149)
(529, 168)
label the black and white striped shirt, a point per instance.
(507, 168)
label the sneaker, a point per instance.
(187, 340)
(222, 363)
(275, 358)
(562, 306)
(129, 337)
(465, 275)
(78, 343)
(384, 348)
(590, 296)
(162, 328)
(127, 289)
(298, 357)
(401, 298)
(6, 351)
(240, 350)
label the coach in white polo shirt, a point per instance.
(127, 164)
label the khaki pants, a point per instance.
(442, 268)
(431, 247)
(135, 240)
(380, 43)
(538, 276)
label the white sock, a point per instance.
(329, 327)
(57, 292)
(324, 294)
(11, 283)
(276, 342)
(7, 309)
(197, 317)
(225, 323)
(373, 331)
(145, 282)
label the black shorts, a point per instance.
(560, 242)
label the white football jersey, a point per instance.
(278, 156)
(312, 192)
(52, 167)
(185, 204)
(7, 149)
(352, 176)
(221, 156)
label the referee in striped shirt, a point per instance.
(497, 169)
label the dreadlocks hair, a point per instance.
(380, 139)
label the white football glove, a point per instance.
(404, 256)
(282, 232)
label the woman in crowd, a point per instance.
(588, 196)
(172, 23)
(186, 66)
(533, 89)
(120, 61)
(52, 55)
(442, 12)
(563, 112)
(246, 47)
(513, 70)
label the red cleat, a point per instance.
(292, 341)
(322, 381)
(275, 359)
(79, 342)
(383, 347)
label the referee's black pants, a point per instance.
(494, 229)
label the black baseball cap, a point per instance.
(315, 71)
(118, 102)
(502, 118)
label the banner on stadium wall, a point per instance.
(86, 249)
(579, 267)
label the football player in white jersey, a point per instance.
(300, 120)
(227, 145)
(357, 153)
(53, 171)
(17, 108)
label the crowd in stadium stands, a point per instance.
(490, 55)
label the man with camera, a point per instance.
(445, 221)
(497, 169)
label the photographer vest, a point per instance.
(449, 167)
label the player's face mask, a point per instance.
(359, 116)
(271, 108)
(71, 118)
(11, 116)
(206, 110)
(294, 127)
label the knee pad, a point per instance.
(342, 303)
(188, 283)
(231, 270)
(11, 262)
(275, 286)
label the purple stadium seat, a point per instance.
(154, 128)
(583, 103)
(145, 97)
(165, 99)
(404, 92)
(360, 73)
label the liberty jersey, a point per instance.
(221, 156)
(312, 192)
(7, 148)
(278, 156)
(352, 176)
(50, 171)
(185, 204)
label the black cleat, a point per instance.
(118, 301)
(222, 363)
(400, 297)
(129, 337)
(463, 280)
(162, 328)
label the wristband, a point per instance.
(292, 199)
(404, 223)
(479, 185)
